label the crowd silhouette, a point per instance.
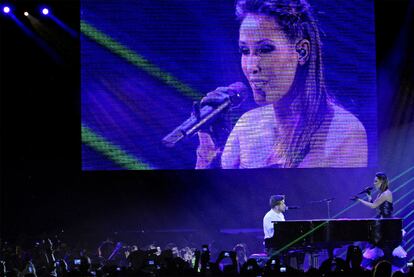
(47, 258)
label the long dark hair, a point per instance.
(296, 19)
(384, 181)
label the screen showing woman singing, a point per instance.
(228, 85)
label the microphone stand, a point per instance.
(328, 204)
(328, 201)
(329, 247)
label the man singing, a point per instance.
(277, 208)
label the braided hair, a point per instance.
(296, 20)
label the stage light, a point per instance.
(6, 9)
(45, 11)
(26, 14)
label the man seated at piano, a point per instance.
(277, 208)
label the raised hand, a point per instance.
(213, 137)
(220, 128)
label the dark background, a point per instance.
(44, 190)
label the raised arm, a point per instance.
(213, 137)
(385, 196)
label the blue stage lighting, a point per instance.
(45, 11)
(6, 9)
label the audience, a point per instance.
(382, 269)
(353, 261)
(43, 258)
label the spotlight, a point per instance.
(45, 11)
(6, 9)
(26, 14)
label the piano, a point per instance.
(333, 233)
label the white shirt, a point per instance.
(268, 228)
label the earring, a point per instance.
(302, 52)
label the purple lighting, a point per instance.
(6, 9)
(45, 11)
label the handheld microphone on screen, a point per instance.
(292, 208)
(366, 190)
(237, 93)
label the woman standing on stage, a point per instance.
(384, 205)
(383, 201)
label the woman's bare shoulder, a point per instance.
(345, 120)
(346, 138)
(387, 193)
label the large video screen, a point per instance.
(213, 84)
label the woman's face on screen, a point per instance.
(269, 60)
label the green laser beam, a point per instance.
(408, 215)
(137, 60)
(399, 187)
(404, 196)
(155, 71)
(403, 185)
(401, 174)
(409, 225)
(409, 242)
(403, 208)
(301, 237)
(409, 249)
(111, 151)
(400, 210)
(343, 211)
(392, 180)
